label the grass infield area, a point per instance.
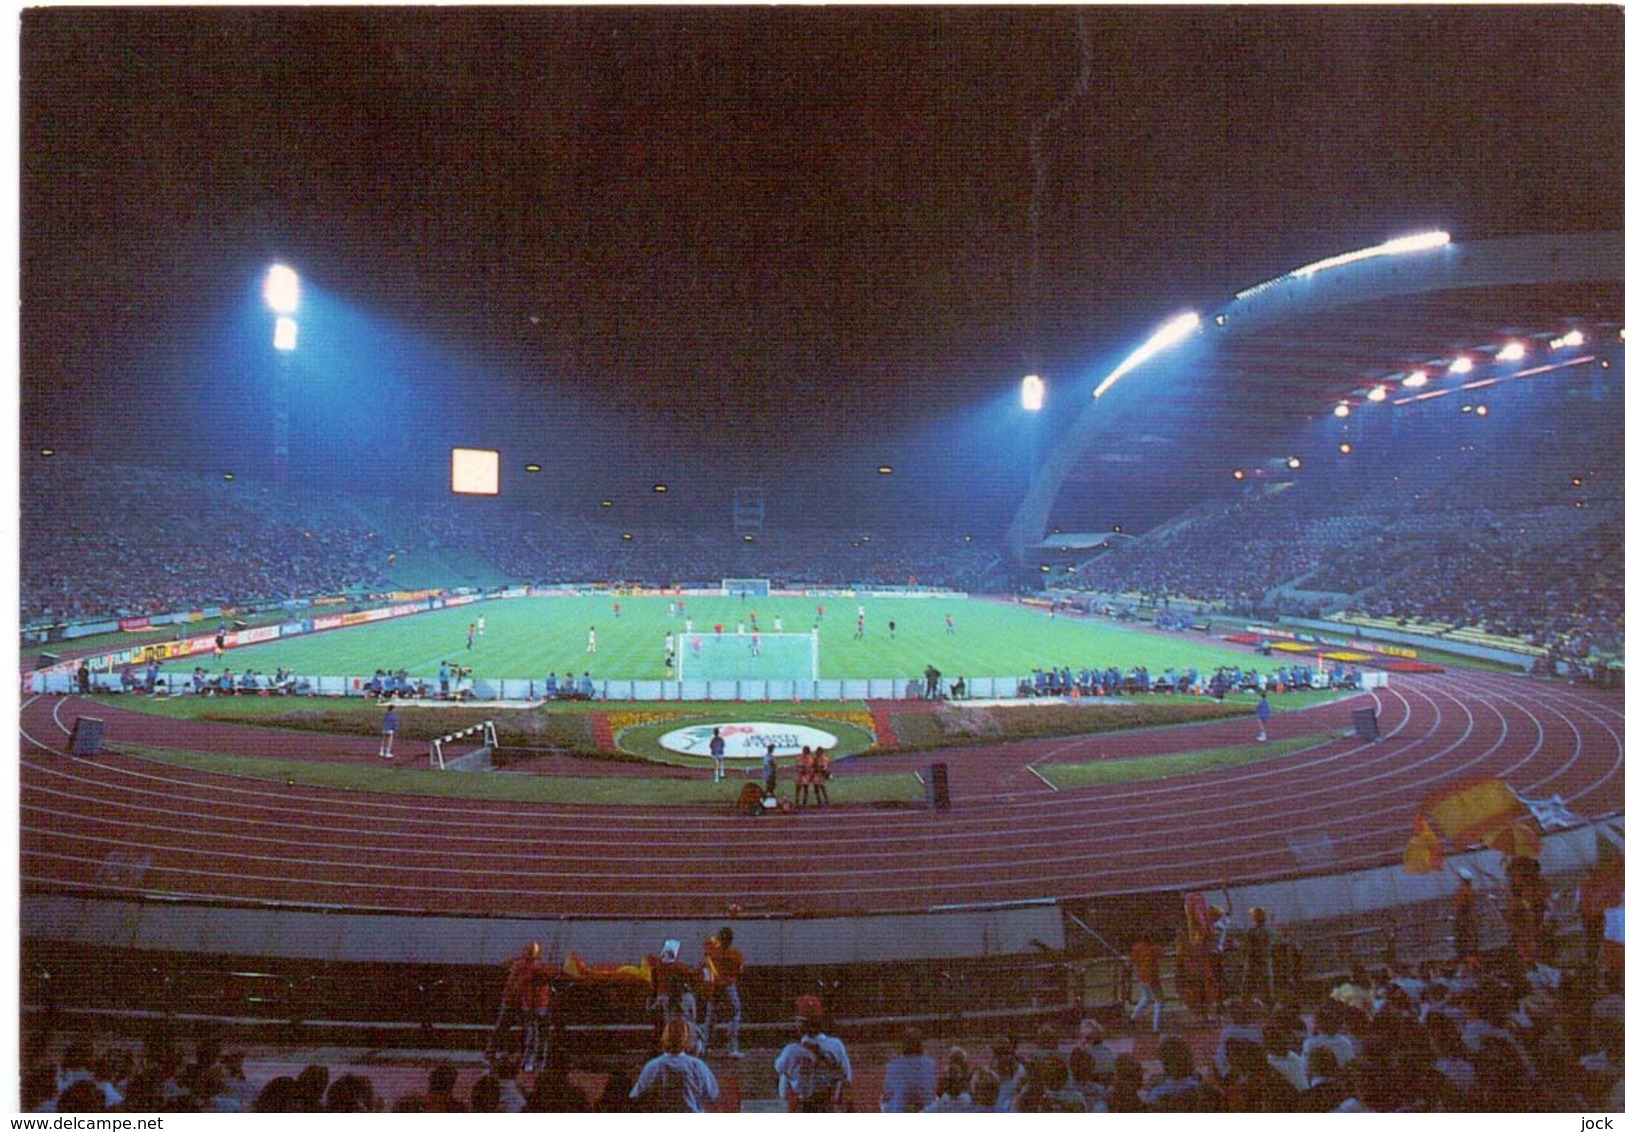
(530, 637)
(527, 638)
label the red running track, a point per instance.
(119, 825)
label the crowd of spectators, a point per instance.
(1483, 1034)
(1063, 681)
(1551, 576)
(1541, 577)
(126, 542)
(543, 549)
(110, 542)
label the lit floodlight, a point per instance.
(1294, 462)
(1460, 364)
(1168, 335)
(1483, 410)
(1513, 351)
(1341, 409)
(1032, 393)
(1377, 393)
(282, 289)
(286, 335)
(1238, 475)
(1415, 379)
(1401, 245)
(1573, 338)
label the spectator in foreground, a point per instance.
(911, 1076)
(814, 1070)
(674, 1080)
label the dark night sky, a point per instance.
(705, 245)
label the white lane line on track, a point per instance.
(24, 732)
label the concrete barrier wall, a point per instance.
(344, 936)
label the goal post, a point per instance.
(747, 656)
(746, 587)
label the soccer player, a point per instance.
(592, 638)
(471, 628)
(671, 644)
(949, 618)
(480, 624)
(617, 611)
(755, 643)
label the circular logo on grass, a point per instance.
(747, 740)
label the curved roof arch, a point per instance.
(1284, 349)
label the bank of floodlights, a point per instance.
(1401, 245)
(1168, 335)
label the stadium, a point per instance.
(775, 506)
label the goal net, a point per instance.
(746, 656)
(746, 587)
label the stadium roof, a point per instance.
(1270, 360)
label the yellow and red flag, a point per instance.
(1482, 812)
(624, 973)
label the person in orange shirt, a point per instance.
(804, 776)
(1146, 959)
(526, 995)
(723, 966)
(820, 776)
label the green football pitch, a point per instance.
(526, 638)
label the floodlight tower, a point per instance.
(282, 296)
